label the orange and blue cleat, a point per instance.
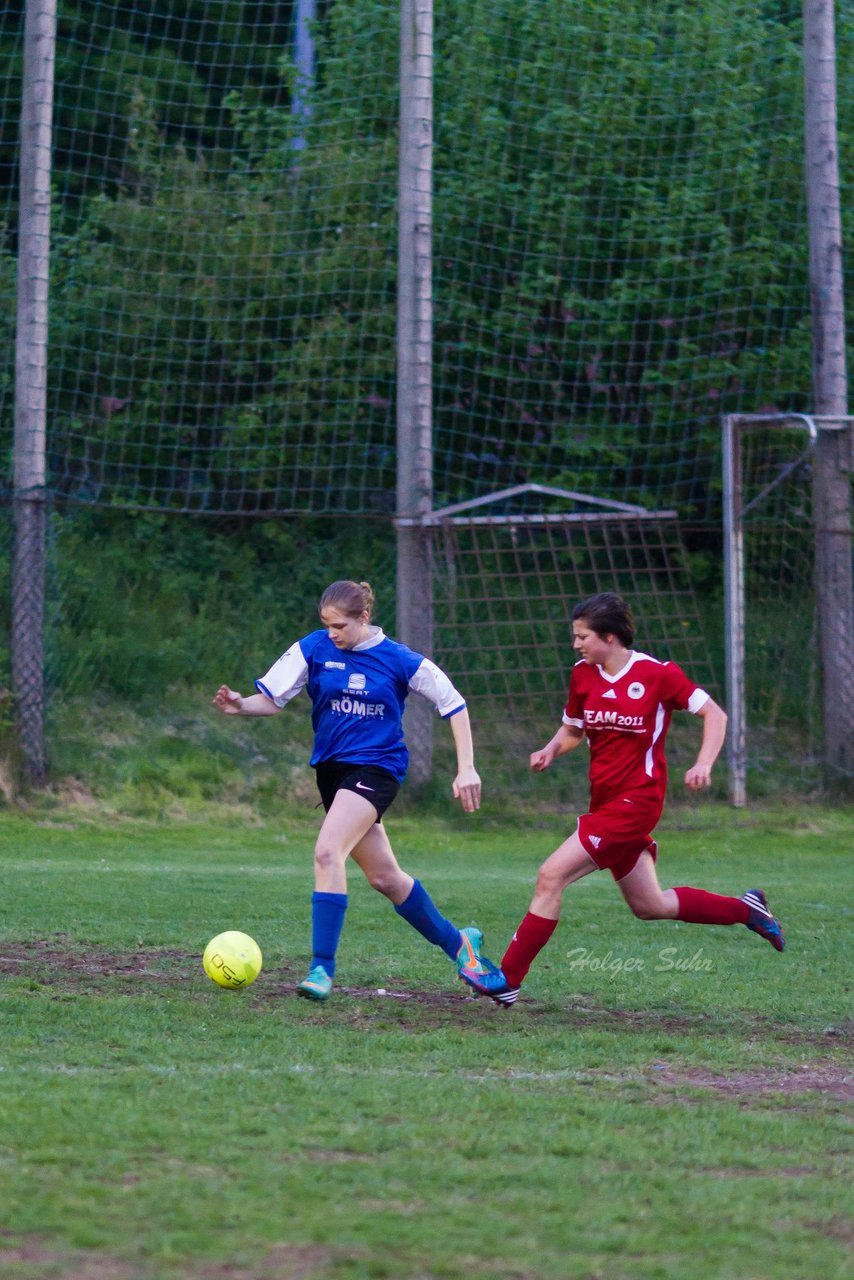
(317, 985)
(468, 955)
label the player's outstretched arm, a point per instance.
(466, 785)
(714, 734)
(231, 703)
(566, 739)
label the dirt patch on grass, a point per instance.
(838, 1228)
(726, 1174)
(809, 1077)
(650, 1020)
(36, 1261)
(50, 961)
(67, 966)
(283, 1262)
(278, 988)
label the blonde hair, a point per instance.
(351, 598)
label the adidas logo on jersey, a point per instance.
(595, 841)
(609, 693)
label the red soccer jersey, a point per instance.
(626, 718)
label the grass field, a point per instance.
(663, 1101)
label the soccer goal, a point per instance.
(508, 569)
(774, 617)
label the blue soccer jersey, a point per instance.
(358, 695)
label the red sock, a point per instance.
(528, 941)
(696, 906)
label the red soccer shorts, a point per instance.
(616, 833)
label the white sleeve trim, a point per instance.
(697, 701)
(432, 683)
(286, 677)
(573, 724)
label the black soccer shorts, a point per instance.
(369, 780)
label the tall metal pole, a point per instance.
(415, 361)
(31, 383)
(304, 18)
(735, 613)
(834, 448)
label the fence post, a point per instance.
(31, 383)
(834, 448)
(304, 18)
(734, 612)
(414, 362)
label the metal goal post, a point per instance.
(755, 480)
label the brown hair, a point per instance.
(607, 614)
(351, 598)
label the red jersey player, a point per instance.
(621, 701)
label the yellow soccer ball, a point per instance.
(232, 959)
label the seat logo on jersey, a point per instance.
(356, 683)
(636, 690)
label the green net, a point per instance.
(783, 669)
(621, 231)
(619, 257)
(505, 590)
(619, 250)
(222, 317)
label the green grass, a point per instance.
(647, 1114)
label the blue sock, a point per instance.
(327, 921)
(421, 912)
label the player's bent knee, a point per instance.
(647, 910)
(327, 857)
(549, 880)
(385, 883)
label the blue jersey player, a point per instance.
(358, 680)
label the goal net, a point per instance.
(773, 641)
(506, 586)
